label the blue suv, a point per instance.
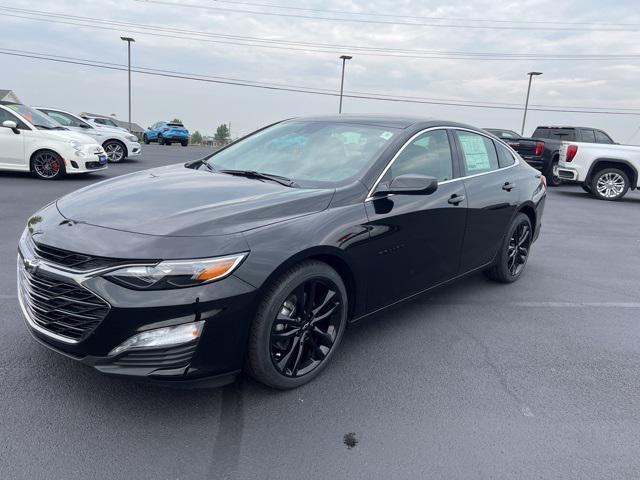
(165, 133)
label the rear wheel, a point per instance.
(115, 150)
(145, 139)
(514, 252)
(298, 326)
(553, 179)
(184, 143)
(47, 165)
(609, 184)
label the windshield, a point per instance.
(37, 119)
(307, 151)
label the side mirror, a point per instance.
(84, 125)
(410, 184)
(12, 125)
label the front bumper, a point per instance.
(133, 149)
(226, 307)
(89, 158)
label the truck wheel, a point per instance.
(553, 180)
(609, 184)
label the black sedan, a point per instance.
(257, 257)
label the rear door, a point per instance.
(492, 196)
(416, 239)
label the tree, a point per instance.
(196, 138)
(222, 134)
(176, 120)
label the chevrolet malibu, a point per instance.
(257, 257)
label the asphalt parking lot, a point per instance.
(538, 379)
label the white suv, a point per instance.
(31, 142)
(117, 143)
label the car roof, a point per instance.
(570, 128)
(389, 121)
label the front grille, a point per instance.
(60, 306)
(169, 357)
(76, 261)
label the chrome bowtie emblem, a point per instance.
(31, 264)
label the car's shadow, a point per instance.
(628, 198)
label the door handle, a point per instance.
(508, 186)
(456, 199)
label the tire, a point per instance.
(514, 252)
(145, 139)
(553, 180)
(586, 188)
(47, 165)
(287, 348)
(609, 184)
(160, 140)
(184, 143)
(167, 143)
(116, 151)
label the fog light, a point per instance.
(161, 337)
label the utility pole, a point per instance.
(344, 60)
(129, 40)
(526, 104)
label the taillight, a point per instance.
(539, 149)
(571, 152)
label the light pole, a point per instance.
(344, 59)
(129, 40)
(526, 104)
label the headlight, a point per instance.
(131, 138)
(75, 144)
(176, 273)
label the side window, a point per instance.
(429, 154)
(602, 137)
(100, 121)
(479, 153)
(505, 157)
(64, 119)
(587, 135)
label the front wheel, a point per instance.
(145, 139)
(160, 140)
(184, 143)
(48, 165)
(514, 252)
(609, 184)
(115, 151)
(298, 326)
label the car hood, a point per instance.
(179, 201)
(67, 135)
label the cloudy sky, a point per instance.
(226, 39)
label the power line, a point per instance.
(309, 47)
(391, 15)
(387, 22)
(363, 96)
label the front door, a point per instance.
(11, 143)
(416, 240)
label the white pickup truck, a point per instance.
(605, 171)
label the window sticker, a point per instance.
(475, 153)
(386, 135)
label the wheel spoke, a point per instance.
(318, 354)
(310, 296)
(296, 363)
(323, 337)
(325, 315)
(284, 361)
(286, 334)
(330, 294)
(294, 322)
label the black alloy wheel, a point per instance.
(514, 253)
(47, 165)
(298, 327)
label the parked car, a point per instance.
(542, 150)
(502, 134)
(166, 133)
(257, 258)
(31, 142)
(607, 171)
(118, 144)
(103, 122)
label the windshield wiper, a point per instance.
(45, 127)
(287, 182)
